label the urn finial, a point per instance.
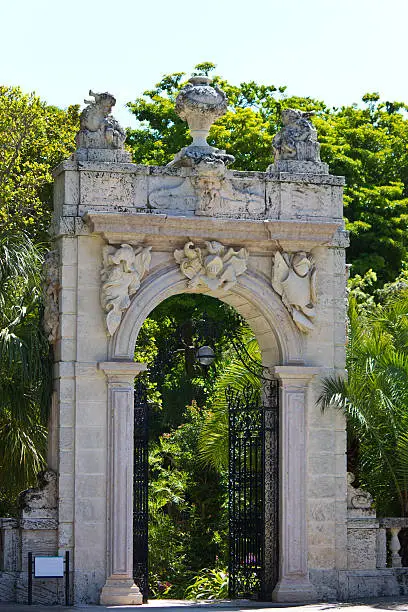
(200, 104)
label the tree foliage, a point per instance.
(34, 138)
(25, 371)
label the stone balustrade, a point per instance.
(393, 526)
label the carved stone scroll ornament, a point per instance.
(50, 295)
(357, 498)
(294, 279)
(214, 267)
(122, 272)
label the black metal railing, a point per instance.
(140, 492)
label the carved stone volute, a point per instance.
(40, 502)
(359, 501)
(294, 279)
(121, 275)
(51, 287)
(200, 104)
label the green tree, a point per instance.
(24, 367)
(34, 138)
(168, 346)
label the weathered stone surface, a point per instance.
(294, 279)
(297, 139)
(8, 586)
(51, 285)
(362, 528)
(40, 502)
(214, 267)
(359, 501)
(101, 203)
(200, 105)
(100, 138)
(296, 148)
(123, 270)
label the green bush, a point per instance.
(208, 584)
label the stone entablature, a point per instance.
(129, 188)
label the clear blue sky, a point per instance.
(335, 50)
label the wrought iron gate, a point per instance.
(140, 492)
(253, 491)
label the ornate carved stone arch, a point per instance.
(253, 297)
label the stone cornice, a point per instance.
(165, 171)
(118, 227)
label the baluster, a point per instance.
(395, 546)
(381, 548)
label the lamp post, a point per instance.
(204, 355)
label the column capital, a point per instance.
(289, 373)
(121, 371)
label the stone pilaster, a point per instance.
(119, 588)
(294, 584)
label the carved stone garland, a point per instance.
(122, 272)
(294, 279)
(214, 267)
(50, 292)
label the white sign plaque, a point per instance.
(50, 567)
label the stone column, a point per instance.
(119, 588)
(294, 584)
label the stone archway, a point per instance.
(281, 348)
(269, 244)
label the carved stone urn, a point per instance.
(200, 104)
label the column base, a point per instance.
(294, 590)
(120, 592)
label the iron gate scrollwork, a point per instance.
(140, 491)
(253, 491)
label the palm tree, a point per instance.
(375, 398)
(24, 366)
(241, 372)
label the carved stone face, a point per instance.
(301, 264)
(289, 116)
(106, 106)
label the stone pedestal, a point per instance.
(362, 528)
(120, 592)
(362, 543)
